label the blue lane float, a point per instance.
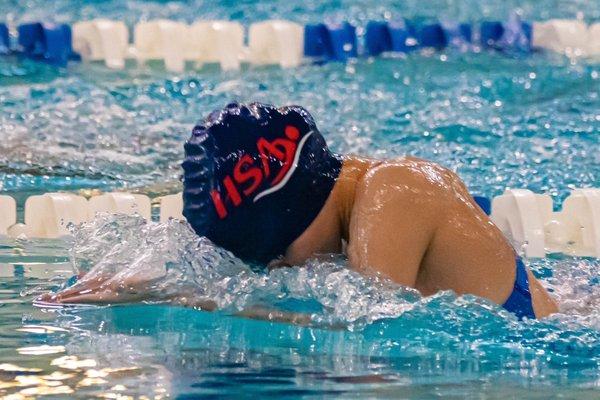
(518, 35)
(343, 40)
(46, 42)
(491, 32)
(394, 36)
(458, 35)
(402, 36)
(431, 36)
(330, 42)
(509, 36)
(323, 42)
(316, 40)
(4, 39)
(377, 38)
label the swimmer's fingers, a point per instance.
(72, 295)
(109, 294)
(83, 291)
(86, 284)
(115, 290)
(98, 297)
(101, 295)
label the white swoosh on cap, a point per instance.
(288, 175)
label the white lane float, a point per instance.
(521, 214)
(526, 218)
(7, 270)
(277, 42)
(50, 214)
(219, 42)
(8, 213)
(563, 36)
(575, 230)
(594, 39)
(102, 40)
(120, 203)
(171, 206)
(164, 40)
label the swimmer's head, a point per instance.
(255, 177)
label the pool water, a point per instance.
(519, 121)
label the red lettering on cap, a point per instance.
(292, 132)
(280, 149)
(218, 202)
(245, 171)
(232, 191)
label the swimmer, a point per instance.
(261, 182)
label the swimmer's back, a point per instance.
(416, 222)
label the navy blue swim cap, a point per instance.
(255, 177)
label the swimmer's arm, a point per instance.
(102, 289)
(268, 314)
(393, 221)
(98, 290)
(255, 312)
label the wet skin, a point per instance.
(407, 219)
(416, 223)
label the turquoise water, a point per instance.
(499, 121)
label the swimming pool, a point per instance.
(522, 121)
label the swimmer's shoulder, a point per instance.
(396, 202)
(404, 175)
(395, 187)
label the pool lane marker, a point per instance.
(526, 218)
(8, 213)
(285, 43)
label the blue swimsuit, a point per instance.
(519, 302)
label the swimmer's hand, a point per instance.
(100, 289)
(136, 288)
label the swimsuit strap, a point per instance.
(519, 302)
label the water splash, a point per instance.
(387, 329)
(179, 264)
